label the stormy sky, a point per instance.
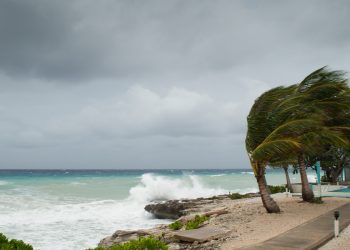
(151, 84)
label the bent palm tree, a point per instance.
(285, 166)
(263, 120)
(288, 182)
(291, 122)
(324, 94)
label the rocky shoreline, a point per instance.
(181, 210)
(244, 221)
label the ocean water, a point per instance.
(74, 209)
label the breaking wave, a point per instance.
(3, 183)
(153, 188)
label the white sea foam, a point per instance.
(77, 183)
(79, 225)
(153, 187)
(217, 175)
(51, 222)
(247, 172)
(3, 183)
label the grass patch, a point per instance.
(6, 244)
(277, 189)
(317, 200)
(196, 222)
(236, 196)
(176, 225)
(143, 243)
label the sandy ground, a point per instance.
(250, 224)
(340, 243)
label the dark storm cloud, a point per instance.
(122, 84)
(81, 40)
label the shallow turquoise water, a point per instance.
(342, 190)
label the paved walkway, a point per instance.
(310, 235)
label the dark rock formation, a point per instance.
(173, 209)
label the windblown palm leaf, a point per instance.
(267, 151)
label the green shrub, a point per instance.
(324, 178)
(317, 200)
(196, 222)
(13, 244)
(3, 238)
(277, 189)
(143, 243)
(176, 225)
(235, 196)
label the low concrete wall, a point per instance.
(324, 187)
(296, 187)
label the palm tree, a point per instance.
(285, 166)
(262, 142)
(289, 184)
(287, 122)
(325, 95)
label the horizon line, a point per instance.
(122, 169)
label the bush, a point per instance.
(3, 238)
(13, 244)
(235, 196)
(196, 222)
(324, 178)
(317, 200)
(277, 189)
(143, 243)
(176, 225)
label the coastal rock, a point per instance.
(174, 246)
(121, 236)
(174, 209)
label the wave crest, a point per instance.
(247, 172)
(3, 183)
(154, 188)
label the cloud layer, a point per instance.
(130, 84)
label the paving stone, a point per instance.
(200, 235)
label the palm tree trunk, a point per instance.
(269, 203)
(307, 193)
(289, 184)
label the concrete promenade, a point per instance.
(310, 235)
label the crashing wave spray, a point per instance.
(153, 188)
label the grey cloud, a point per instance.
(142, 112)
(81, 40)
(155, 83)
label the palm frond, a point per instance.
(271, 149)
(293, 128)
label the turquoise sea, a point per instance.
(74, 209)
